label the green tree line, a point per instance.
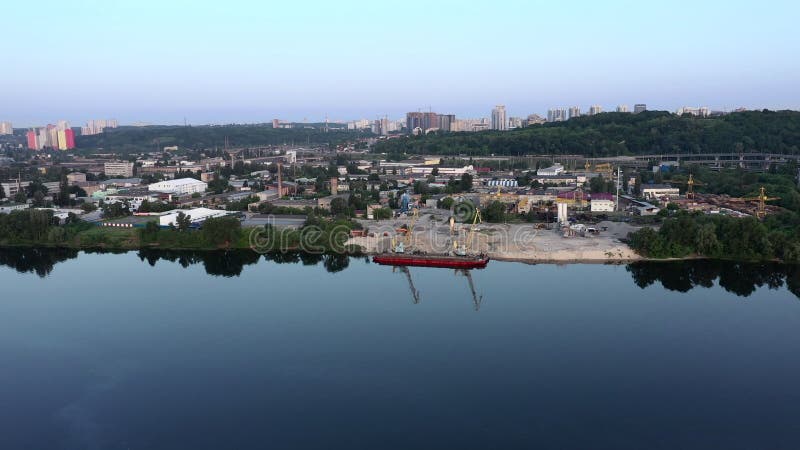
(612, 134)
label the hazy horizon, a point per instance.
(250, 62)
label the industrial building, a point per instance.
(118, 169)
(555, 169)
(181, 186)
(656, 191)
(197, 216)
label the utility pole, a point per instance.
(619, 184)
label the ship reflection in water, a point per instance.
(738, 278)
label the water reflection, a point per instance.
(35, 260)
(741, 279)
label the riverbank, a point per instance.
(520, 242)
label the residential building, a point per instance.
(639, 108)
(121, 169)
(423, 121)
(97, 126)
(515, 122)
(6, 128)
(534, 119)
(446, 122)
(556, 115)
(595, 109)
(13, 187)
(33, 140)
(701, 111)
(181, 186)
(574, 111)
(622, 108)
(499, 118)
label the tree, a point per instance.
(446, 203)
(382, 213)
(150, 231)
(706, 242)
(183, 221)
(495, 212)
(221, 230)
(466, 182)
(339, 206)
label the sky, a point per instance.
(237, 61)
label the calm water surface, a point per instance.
(235, 351)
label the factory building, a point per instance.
(181, 186)
(197, 216)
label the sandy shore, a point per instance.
(509, 242)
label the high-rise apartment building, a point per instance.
(595, 109)
(97, 126)
(574, 111)
(622, 108)
(499, 121)
(446, 122)
(6, 128)
(423, 120)
(556, 115)
(33, 139)
(66, 139)
(639, 108)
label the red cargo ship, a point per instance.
(450, 262)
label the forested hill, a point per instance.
(201, 137)
(613, 134)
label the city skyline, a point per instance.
(352, 60)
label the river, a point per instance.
(178, 350)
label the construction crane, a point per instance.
(762, 199)
(415, 298)
(463, 249)
(476, 299)
(690, 184)
(400, 245)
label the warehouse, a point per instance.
(197, 216)
(181, 186)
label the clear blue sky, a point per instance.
(251, 61)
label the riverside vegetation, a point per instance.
(32, 228)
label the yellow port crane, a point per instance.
(762, 199)
(690, 184)
(399, 246)
(463, 248)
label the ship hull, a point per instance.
(450, 262)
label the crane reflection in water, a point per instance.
(415, 294)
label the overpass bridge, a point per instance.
(747, 161)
